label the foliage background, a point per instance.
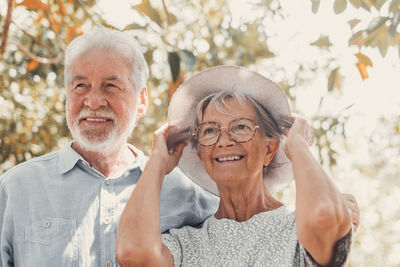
(180, 38)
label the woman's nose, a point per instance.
(225, 138)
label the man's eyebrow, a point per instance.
(78, 77)
(113, 78)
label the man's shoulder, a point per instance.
(26, 169)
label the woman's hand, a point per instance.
(299, 135)
(167, 160)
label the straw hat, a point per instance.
(182, 115)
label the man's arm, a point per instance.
(322, 217)
(6, 251)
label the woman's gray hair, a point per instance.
(110, 40)
(268, 124)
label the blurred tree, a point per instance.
(179, 38)
(381, 32)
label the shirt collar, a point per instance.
(69, 157)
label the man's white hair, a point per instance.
(109, 40)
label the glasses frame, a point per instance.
(194, 134)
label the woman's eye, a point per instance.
(209, 131)
(242, 127)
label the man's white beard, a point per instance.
(105, 142)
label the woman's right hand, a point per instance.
(166, 160)
(299, 134)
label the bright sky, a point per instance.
(377, 96)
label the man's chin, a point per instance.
(97, 146)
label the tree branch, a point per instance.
(169, 20)
(6, 27)
(36, 40)
(42, 60)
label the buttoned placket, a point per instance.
(108, 221)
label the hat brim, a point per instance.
(182, 115)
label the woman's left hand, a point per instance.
(167, 160)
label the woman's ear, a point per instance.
(272, 148)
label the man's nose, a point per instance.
(225, 138)
(95, 99)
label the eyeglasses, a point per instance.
(240, 130)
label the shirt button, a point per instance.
(109, 264)
(107, 220)
(46, 224)
(108, 182)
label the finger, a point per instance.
(162, 130)
(178, 150)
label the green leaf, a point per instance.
(357, 38)
(339, 6)
(356, 3)
(334, 79)
(366, 6)
(146, 8)
(322, 42)
(134, 26)
(315, 5)
(395, 23)
(369, 3)
(394, 5)
(376, 23)
(353, 23)
(189, 58)
(379, 3)
(174, 64)
(383, 46)
(383, 41)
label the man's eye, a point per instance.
(80, 86)
(110, 85)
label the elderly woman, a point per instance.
(245, 147)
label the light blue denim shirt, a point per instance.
(56, 210)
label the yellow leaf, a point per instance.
(70, 35)
(33, 4)
(39, 19)
(146, 8)
(364, 59)
(61, 6)
(362, 68)
(339, 6)
(32, 65)
(56, 26)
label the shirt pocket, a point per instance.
(51, 242)
(168, 222)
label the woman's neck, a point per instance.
(240, 203)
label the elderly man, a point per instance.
(62, 209)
